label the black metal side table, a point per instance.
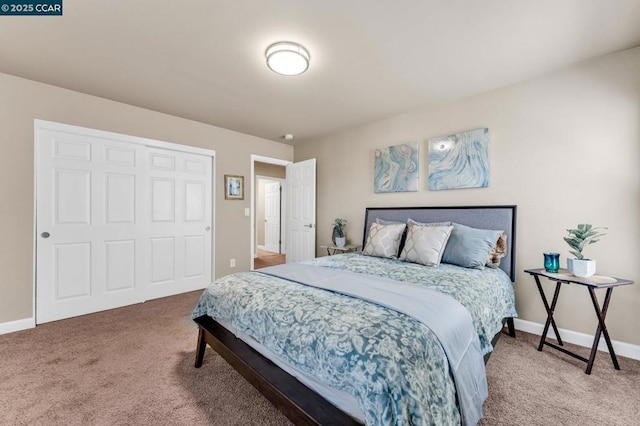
(592, 283)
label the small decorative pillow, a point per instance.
(425, 244)
(498, 251)
(395, 222)
(469, 247)
(383, 240)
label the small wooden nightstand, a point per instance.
(591, 283)
(331, 249)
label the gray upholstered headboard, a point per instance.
(484, 217)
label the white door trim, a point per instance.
(68, 128)
(260, 159)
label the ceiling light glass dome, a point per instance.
(287, 58)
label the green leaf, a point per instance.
(584, 234)
(577, 254)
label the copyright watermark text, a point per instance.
(31, 7)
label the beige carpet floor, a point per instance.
(527, 387)
(134, 366)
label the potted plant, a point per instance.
(337, 236)
(584, 235)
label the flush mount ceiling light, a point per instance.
(287, 58)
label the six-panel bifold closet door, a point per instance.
(119, 220)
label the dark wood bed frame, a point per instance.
(295, 400)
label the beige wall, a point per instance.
(22, 101)
(269, 170)
(565, 148)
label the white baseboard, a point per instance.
(12, 326)
(261, 247)
(582, 339)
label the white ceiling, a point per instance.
(204, 59)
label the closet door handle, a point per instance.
(45, 235)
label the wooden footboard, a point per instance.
(296, 401)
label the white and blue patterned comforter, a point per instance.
(392, 364)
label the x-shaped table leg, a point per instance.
(602, 329)
(550, 310)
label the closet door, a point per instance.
(90, 198)
(179, 237)
(117, 223)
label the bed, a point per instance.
(336, 340)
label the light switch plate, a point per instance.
(247, 212)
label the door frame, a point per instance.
(282, 201)
(120, 137)
(260, 159)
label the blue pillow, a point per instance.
(469, 247)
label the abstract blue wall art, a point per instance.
(396, 168)
(459, 161)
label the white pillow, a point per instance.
(383, 240)
(425, 244)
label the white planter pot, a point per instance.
(340, 241)
(581, 268)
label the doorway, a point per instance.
(268, 216)
(269, 226)
(298, 211)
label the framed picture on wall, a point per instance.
(396, 168)
(459, 161)
(233, 187)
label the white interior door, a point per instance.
(111, 227)
(179, 221)
(88, 205)
(301, 211)
(272, 217)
